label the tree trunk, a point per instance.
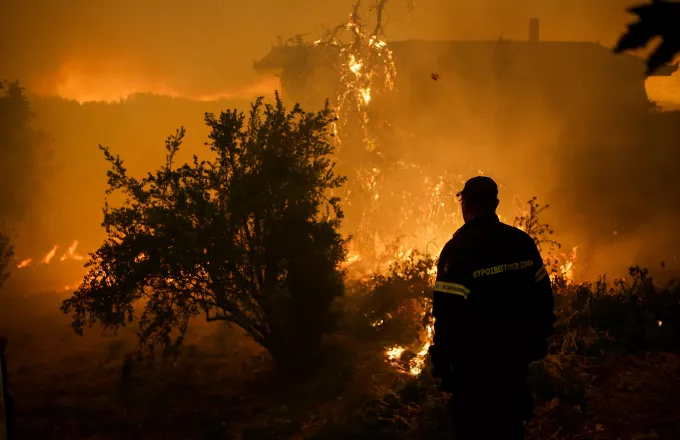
(294, 356)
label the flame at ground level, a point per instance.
(419, 350)
(408, 359)
(47, 259)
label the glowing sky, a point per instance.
(91, 50)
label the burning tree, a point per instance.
(250, 237)
(385, 193)
(366, 68)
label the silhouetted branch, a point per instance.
(661, 18)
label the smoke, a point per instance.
(620, 196)
(614, 200)
(203, 49)
(191, 49)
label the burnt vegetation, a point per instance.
(191, 241)
(248, 237)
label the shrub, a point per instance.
(249, 237)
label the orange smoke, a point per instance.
(113, 81)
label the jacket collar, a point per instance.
(484, 220)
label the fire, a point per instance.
(395, 353)
(426, 211)
(71, 252)
(410, 198)
(365, 61)
(50, 255)
(416, 364)
(419, 351)
(24, 263)
(365, 95)
(69, 287)
(354, 65)
(566, 270)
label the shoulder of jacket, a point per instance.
(454, 243)
(457, 236)
(516, 232)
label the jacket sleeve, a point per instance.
(449, 309)
(541, 304)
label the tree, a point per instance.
(660, 18)
(249, 237)
(22, 165)
(22, 154)
(6, 254)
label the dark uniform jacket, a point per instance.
(493, 299)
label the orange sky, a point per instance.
(90, 50)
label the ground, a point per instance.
(71, 387)
(223, 387)
(627, 397)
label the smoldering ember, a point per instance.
(236, 221)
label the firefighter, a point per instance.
(493, 310)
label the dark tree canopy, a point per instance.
(249, 237)
(6, 254)
(660, 18)
(22, 154)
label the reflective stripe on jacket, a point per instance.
(492, 296)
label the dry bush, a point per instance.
(598, 323)
(392, 307)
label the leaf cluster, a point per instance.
(6, 254)
(248, 237)
(660, 18)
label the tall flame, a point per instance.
(364, 61)
(567, 269)
(47, 258)
(71, 252)
(24, 263)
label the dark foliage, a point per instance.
(23, 154)
(629, 315)
(394, 306)
(541, 233)
(249, 237)
(660, 18)
(410, 408)
(601, 325)
(598, 324)
(6, 254)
